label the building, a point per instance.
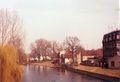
(84, 58)
(92, 57)
(111, 49)
(66, 57)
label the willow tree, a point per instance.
(10, 70)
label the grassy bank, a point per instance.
(99, 70)
(46, 63)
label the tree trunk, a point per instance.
(45, 57)
(73, 57)
(39, 58)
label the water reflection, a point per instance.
(46, 74)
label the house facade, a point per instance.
(66, 57)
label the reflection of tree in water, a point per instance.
(29, 67)
(34, 67)
(68, 74)
(45, 71)
(60, 70)
(38, 70)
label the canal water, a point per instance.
(47, 74)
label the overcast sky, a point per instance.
(55, 19)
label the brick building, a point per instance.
(111, 49)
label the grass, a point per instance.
(99, 70)
(45, 63)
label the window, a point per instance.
(118, 45)
(112, 63)
(110, 38)
(118, 53)
(117, 36)
(106, 39)
(113, 36)
(119, 64)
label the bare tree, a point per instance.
(55, 49)
(11, 30)
(45, 48)
(45, 45)
(39, 48)
(72, 45)
(10, 26)
(33, 53)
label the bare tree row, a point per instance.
(44, 48)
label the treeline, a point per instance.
(44, 48)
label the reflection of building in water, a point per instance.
(36, 58)
(111, 49)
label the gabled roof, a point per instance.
(97, 52)
(69, 55)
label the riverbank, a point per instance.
(46, 63)
(98, 72)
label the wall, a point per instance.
(68, 60)
(116, 60)
(86, 57)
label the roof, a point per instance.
(115, 31)
(69, 55)
(97, 52)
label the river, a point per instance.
(47, 74)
